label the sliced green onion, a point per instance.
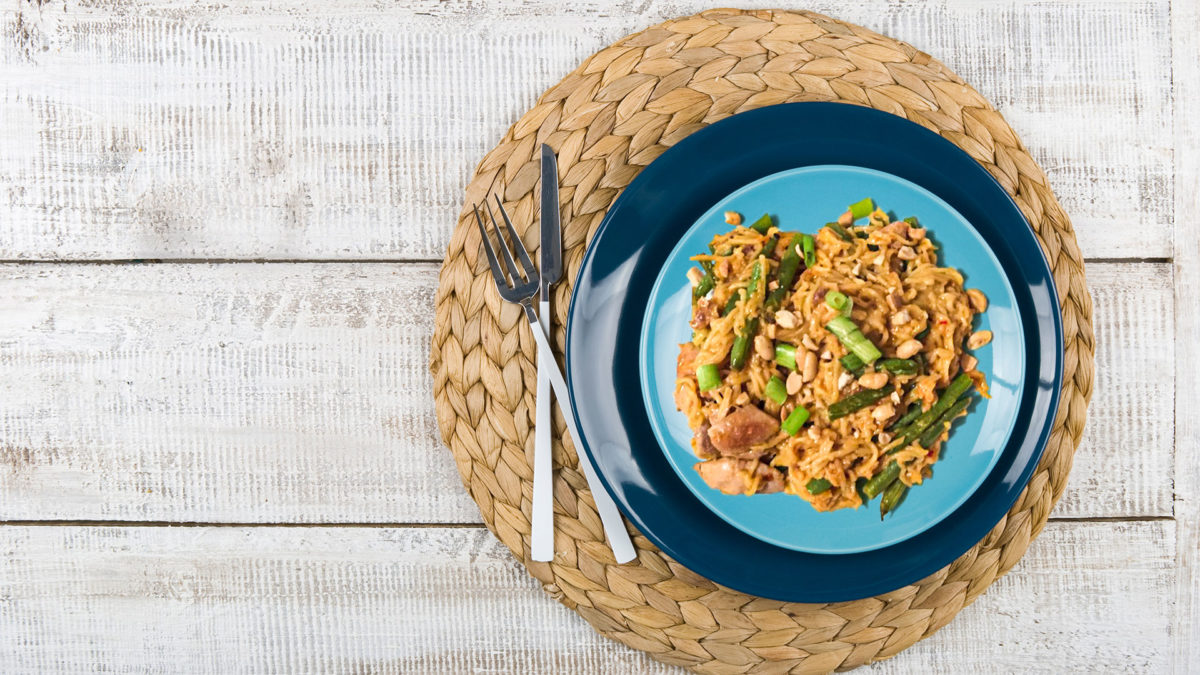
(839, 231)
(810, 251)
(853, 339)
(776, 391)
(763, 224)
(911, 220)
(853, 364)
(708, 377)
(785, 355)
(817, 485)
(794, 421)
(862, 209)
(922, 335)
(898, 366)
(840, 302)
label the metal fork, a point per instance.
(522, 291)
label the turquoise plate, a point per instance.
(802, 199)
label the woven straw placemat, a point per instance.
(609, 118)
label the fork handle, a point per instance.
(610, 517)
(541, 546)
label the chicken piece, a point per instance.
(685, 365)
(702, 445)
(742, 428)
(733, 476)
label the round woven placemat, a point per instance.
(609, 118)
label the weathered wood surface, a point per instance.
(434, 600)
(292, 130)
(1186, 618)
(297, 392)
(300, 393)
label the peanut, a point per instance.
(979, 338)
(794, 382)
(810, 366)
(873, 380)
(908, 349)
(764, 348)
(978, 300)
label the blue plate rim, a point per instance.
(910, 559)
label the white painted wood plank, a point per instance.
(1129, 435)
(1186, 620)
(1088, 597)
(291, 129)
(300, 393)
(246, 392)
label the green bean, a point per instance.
(892, 498)
(861, 208)
(839, 231)
(769, 247)
(881, 480)
(734, 299)
(706, 284)
(922, 334)
(898, 366)
(957, 388)
(762, 224)
(858, 487)
(913, 411)
(751, 286)
(856, 402)
(741, 344)
(817, 485)
(810, 251)
(912, 220)
(787, 275)
(930, 436)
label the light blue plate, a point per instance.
(803, 199)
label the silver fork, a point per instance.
(522, 291)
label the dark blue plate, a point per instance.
(609, 303)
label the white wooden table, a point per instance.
(220, 228)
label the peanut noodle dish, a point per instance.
(827, 366)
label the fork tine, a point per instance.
(508, 259)
(531, 272)
(501, 282)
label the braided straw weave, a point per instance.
(609, 118)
